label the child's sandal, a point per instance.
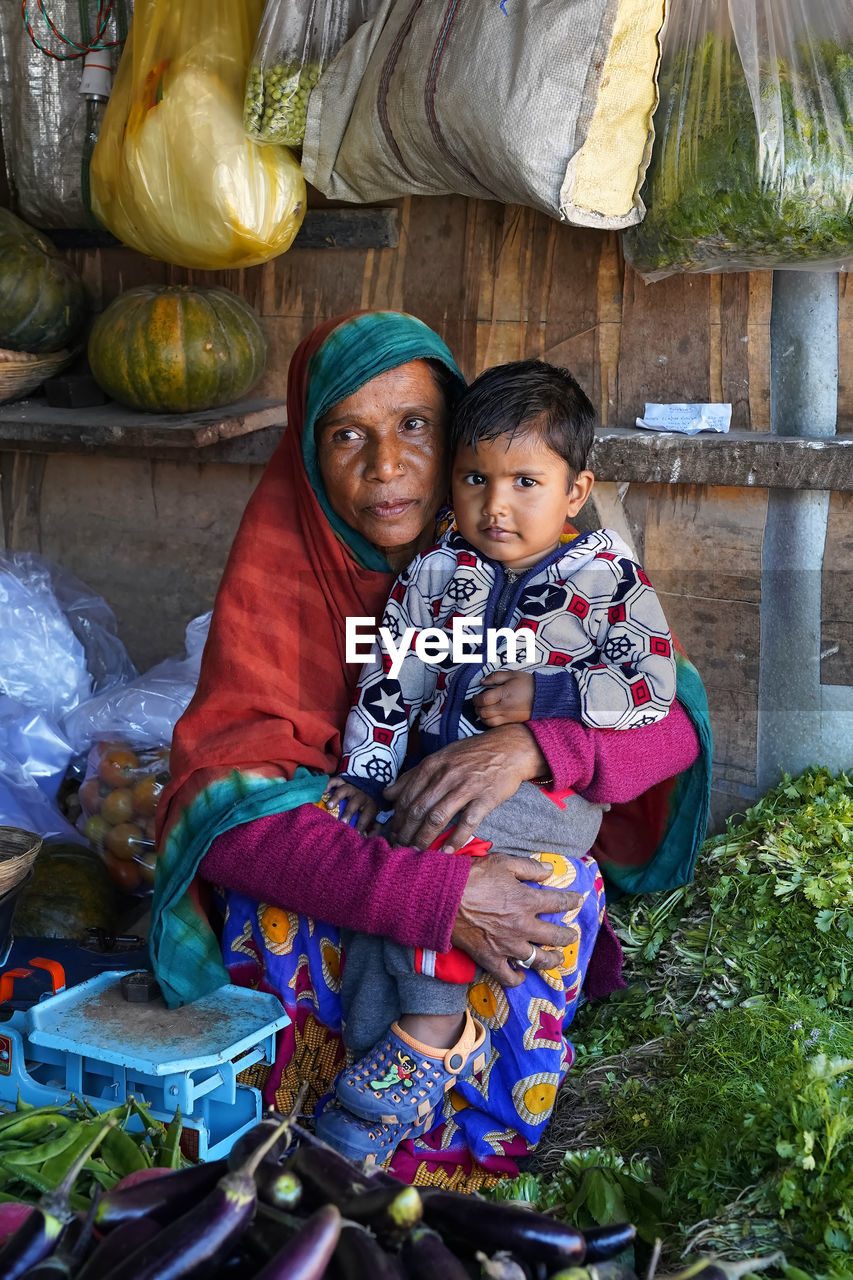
(396, 1083)
(363, 1142)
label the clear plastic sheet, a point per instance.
(48, 126)
(35, 743)
(24, 804)
(296, 42)
(173, 173)
(42, 663)
(752, 164)
(142, 713)
(59, 641)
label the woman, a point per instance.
(351, 493)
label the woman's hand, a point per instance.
(469, 778)
(498, 918)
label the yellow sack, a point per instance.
(173, 173)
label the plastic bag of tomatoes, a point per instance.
(118, 799)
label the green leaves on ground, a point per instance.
(727, 1064)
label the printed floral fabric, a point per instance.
(488, 1122)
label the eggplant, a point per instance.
(197, 1243)
(307, 1255)
(425, 1256)
(390, 1212)
(326, 1177)
(117, 1245)
(248, 1142)
(38, 1235)
(277, 1186)
(471, 1225)
(63, 1262)
(163, 1198)
(270, 1230)
(359, 1256)
(605, 1242)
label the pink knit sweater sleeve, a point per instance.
(306, 861)
(611, 766)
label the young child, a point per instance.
(603, 655)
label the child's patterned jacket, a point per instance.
(603, 650)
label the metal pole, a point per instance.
(803, 401)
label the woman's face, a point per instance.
(382, 457)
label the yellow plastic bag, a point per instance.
(173, 173)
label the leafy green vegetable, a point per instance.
(735, 184)
(770, 913)
(725, 1071)
(592, 1188)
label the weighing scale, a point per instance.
(100, 1042)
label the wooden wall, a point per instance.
(498, 283)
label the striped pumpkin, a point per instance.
(177, 349)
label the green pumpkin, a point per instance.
(70, 893)
(42, 300)
(177, 349)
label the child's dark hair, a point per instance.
(523, 394)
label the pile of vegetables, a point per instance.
(729, 190)
(283, 1206)
(38, 1145)
(712, 1100)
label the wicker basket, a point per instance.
(18, 851)
(21, 371)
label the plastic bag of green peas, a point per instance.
(296, 41)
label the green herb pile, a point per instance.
(723, 1075)
(725, 192)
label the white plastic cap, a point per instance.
(97, 80)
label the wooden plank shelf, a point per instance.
(247, 433)
(755, 459)
(33, 426)
(362, 228)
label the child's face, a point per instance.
(511, 497)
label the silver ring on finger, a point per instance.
(526, 964)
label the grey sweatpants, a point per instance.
(379, 981)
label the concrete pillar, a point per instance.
(804, 387)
